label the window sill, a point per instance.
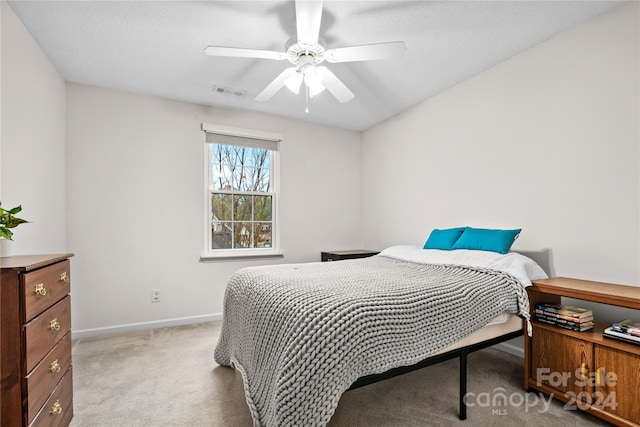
(229, 256)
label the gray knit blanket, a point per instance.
(301, 334)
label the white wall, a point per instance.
(32, 140)
(136, 203)
(547, 141)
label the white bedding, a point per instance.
(518, 265)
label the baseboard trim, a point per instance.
(119, 329)
(510, 349)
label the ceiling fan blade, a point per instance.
(334, 85)
(308, 17)
(244, 53)
(275, 85)
(367, 52)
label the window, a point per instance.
(241, 192)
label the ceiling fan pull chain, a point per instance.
(306, 110)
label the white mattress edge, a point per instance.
(493, 329)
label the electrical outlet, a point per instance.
(155, 295)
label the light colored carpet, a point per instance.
(167, 377)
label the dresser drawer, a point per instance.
(43, 332)
(42, 380)
(44, 287)
(58, 409)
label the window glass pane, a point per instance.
(240, 168)
(242, 207)
(262, 208)
(242, 234)
(221, 205)
(221, 235)
(262, 234)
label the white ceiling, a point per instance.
(156, 47)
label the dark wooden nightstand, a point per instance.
(351, 254)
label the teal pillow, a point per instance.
(484, 239)
(443, 239)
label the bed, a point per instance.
(303, 334)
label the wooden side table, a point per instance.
(350, 254)
(585, 369)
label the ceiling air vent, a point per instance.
(229, 91)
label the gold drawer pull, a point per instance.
(54, 325)
(55, 366)
(64, 277)
(56, 409)
(40, 289)
(583, 371)
(599, 377)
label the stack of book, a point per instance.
(624, 330)
(565, 316)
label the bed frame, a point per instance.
(461, 352)
(543, 258)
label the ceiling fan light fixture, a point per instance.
(313, 80)
(294, 82)
(315, 90)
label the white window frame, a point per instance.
(274, 251)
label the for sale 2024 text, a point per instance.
(582, 378)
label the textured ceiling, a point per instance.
(156, 48)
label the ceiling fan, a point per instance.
(307, 52)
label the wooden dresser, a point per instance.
(35, 344)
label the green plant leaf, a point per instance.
(6, 233)
(15, 210)
(14, 222)
(9, 220)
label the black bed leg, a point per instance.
(463, 385)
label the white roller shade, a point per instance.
(218, 134)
